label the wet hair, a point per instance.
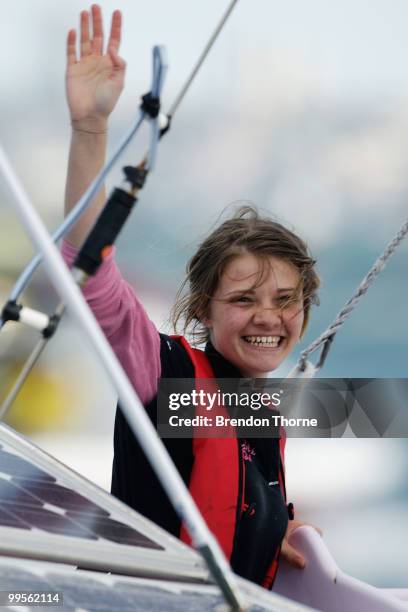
(246, 232)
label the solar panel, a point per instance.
(86, 590)
(52, 518)
(47, 511)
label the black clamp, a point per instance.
(11, 311)
(51, 327)
(15, 312)
(150, 105)
(136, 176)
(166, 128)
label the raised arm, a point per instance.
(94, 82)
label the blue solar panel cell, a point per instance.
(114, 531)
(12, 494)
(17, 466)
(50, 513)
(24, 495)
(9, 520)
(53, 493)
(52, 522)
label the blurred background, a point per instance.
(301, 109)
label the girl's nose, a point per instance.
(267, 316)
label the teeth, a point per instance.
(267, 341)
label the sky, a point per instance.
(346, 45)
(292, 67)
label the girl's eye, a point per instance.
(243, 299)
(286, 300)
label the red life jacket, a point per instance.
(214, 483)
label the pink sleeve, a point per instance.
(132, 335)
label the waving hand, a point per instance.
(95, 80)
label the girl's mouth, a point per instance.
(263, 341)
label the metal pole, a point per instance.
(202, 538)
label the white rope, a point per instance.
(348, 308)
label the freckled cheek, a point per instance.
(237, 322)
(232, 325)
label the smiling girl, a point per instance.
(251, 284)
(247, 295)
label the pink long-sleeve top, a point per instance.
(136, 343)
(132, 335)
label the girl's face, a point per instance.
(255, 329)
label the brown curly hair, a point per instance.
(246, 232)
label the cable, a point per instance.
(81, 205)
(99, 241)
(201, 59)
(136, 416)
(76, 212)
(326, 338)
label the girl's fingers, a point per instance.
(118, 62)
(71, 48)
(115, 33)
(85, 42)
(292, 556)
(97, 28)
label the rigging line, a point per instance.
(81, 205)
(114, 213)
(327, 336)
(160, 66)
(201, 59)
(76, 212)
(25, 371)
(136, 416)
(176, 103)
